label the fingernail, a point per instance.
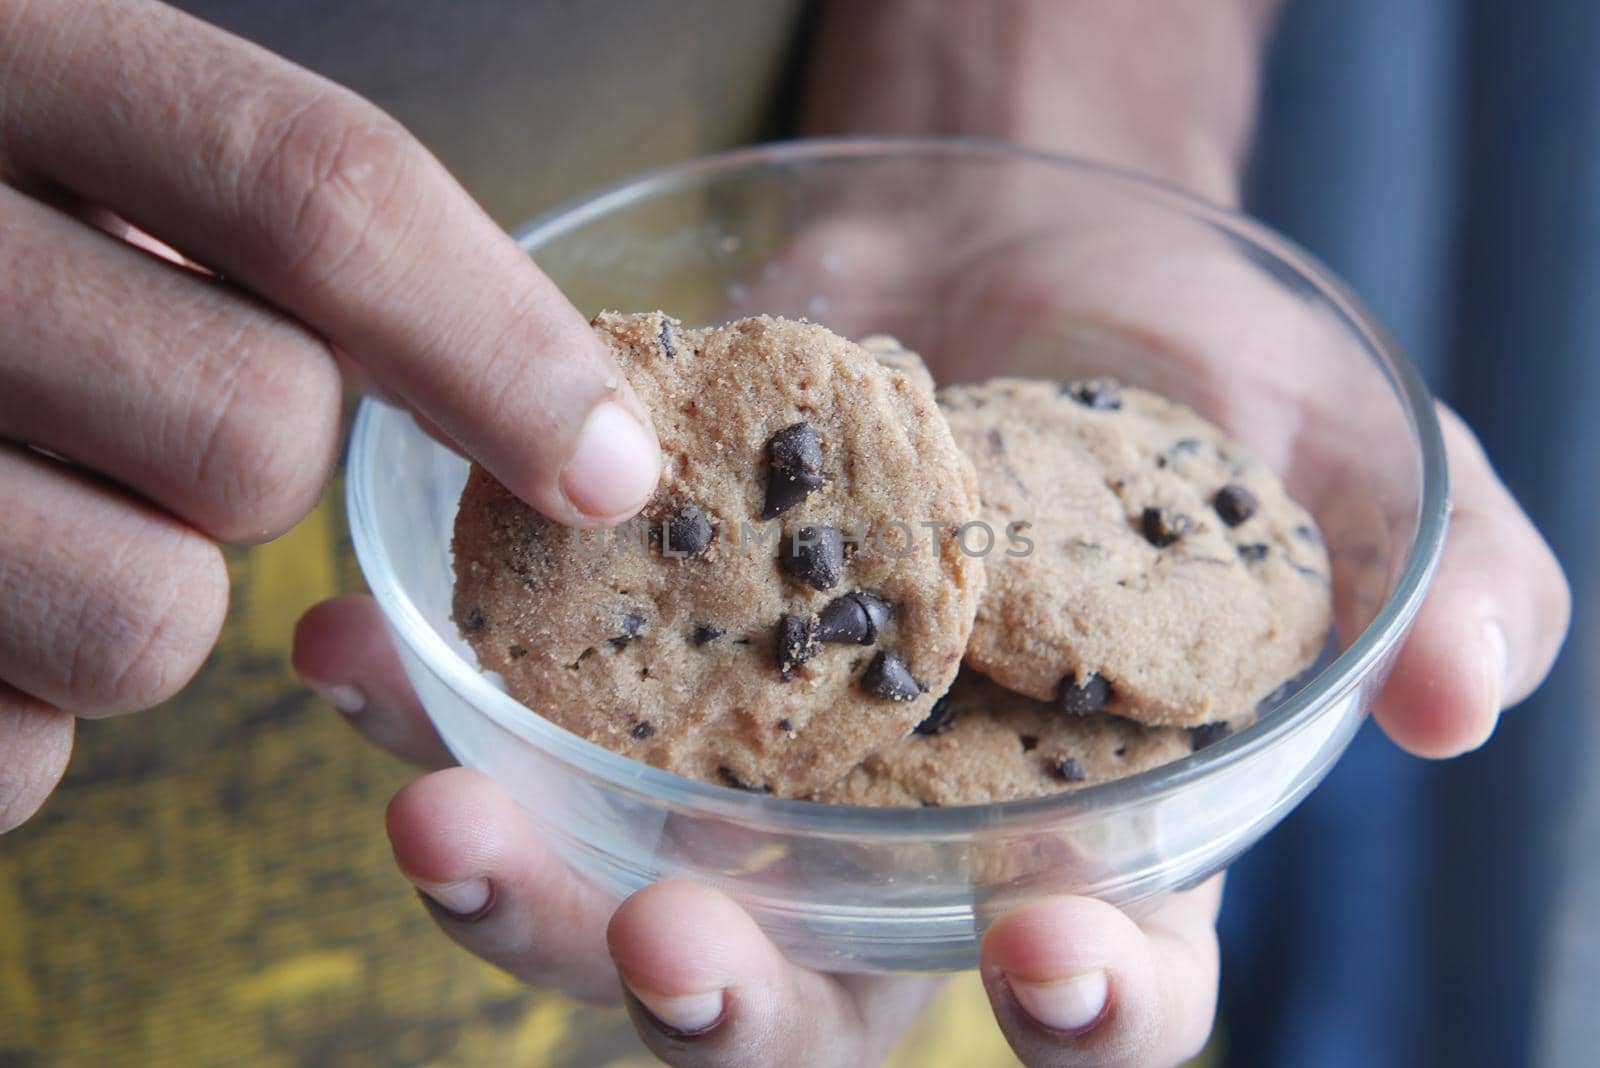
(615, 466)
(466, 898)
(687, 1014)
(1494, 636)
(346, 699)
(1072, 1004)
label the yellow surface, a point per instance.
(211, 886)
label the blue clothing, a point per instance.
(1444, 158)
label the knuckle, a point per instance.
(140, 643)
(334, 178)
(264, 435)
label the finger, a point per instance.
(707, 987)
(212, 405)
(1074, 981)
(318, 201)
(343, 651)
(1493, 620)
(35, 743)
(110, 605)
(496, 888)
(356, 377)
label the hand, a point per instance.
(1170, 92)
(707, 987)
(150, 408)
(705, 984)
(1072, 980)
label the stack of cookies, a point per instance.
(1113, 581)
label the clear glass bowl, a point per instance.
(989, 260)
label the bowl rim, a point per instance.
(1319, 694)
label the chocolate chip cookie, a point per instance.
(791, 599)
(1150, 566)
(889, 352)
(984, 743)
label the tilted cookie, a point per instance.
(1154, 569)
(984, 743)
(792, 598)
(890, 353)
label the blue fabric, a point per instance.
(1444, 157)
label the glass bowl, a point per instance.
(989, 260)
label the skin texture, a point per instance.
(168, 410)
(311, 205)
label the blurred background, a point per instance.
(211, 885)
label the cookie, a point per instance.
(890, 353)
(984, 743)
(1148, 566)
(791, 599)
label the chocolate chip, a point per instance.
(1163, 526)
(1253, 553)
(1069, 769)
(855, 617)
(706, 633)
(813, 555)
(1207, 734)
(516, 652)
(632, 624)
(795, 457)
(939, 718)
(879, 613)
(730, 778)
(1308, 572)
(643, 729)
(665, 337)
(1083, 700)
(785, 726)
(475, 620)
(843, 620)
(889, 678)
(1308, 534)
(688, 532)
(1184, 447)
(797, 643)
(1030, 742)
(1101, 394)
(1234, 503)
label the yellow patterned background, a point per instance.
(212, 886)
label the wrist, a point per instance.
(1168, 90)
